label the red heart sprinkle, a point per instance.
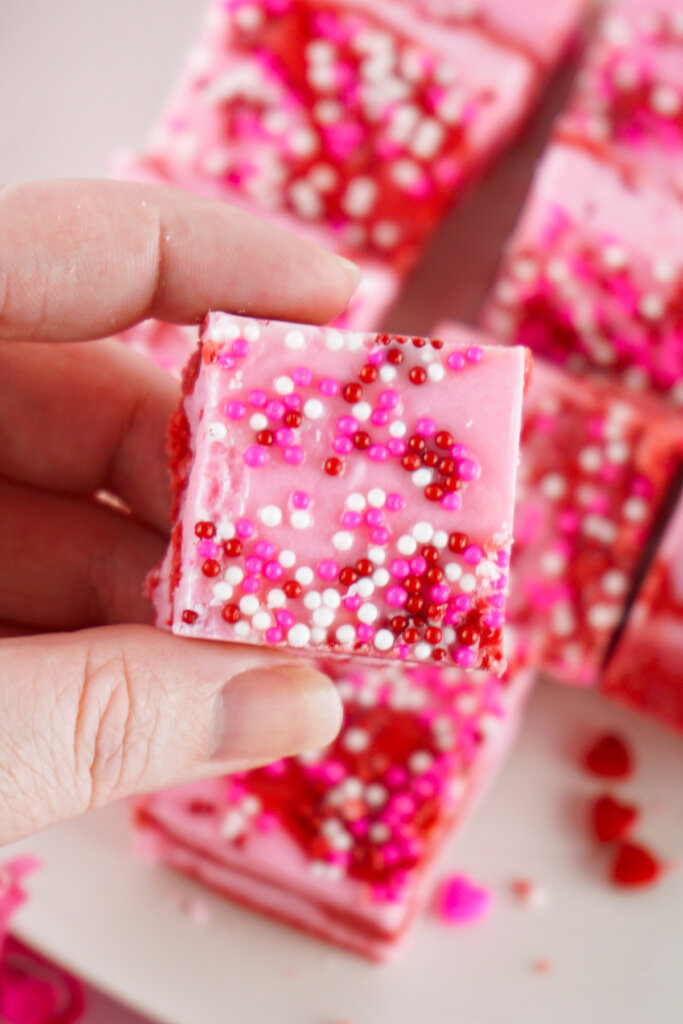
(612, 820)
(634, 866)
(609, 757)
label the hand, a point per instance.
(95, 703)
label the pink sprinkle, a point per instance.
(226, 361)
(342, 445)
(462, 603)
(380, 536)
(284, 437)
(460, 901)
(235, 410)
(374, 517)
(396, 776)
(264, 549)
(395, 502)
(351, 520)
(328, 386)
(376, 358)
(352, 602)
(294, 455)
(388, 399)
(274, 410)
(240, 348)
(255, 456)
(425, 427)
(474, 354)
(494, 619)
(459, 451)
(327, 569)
(497, 600)
(292, 401)
(451, 501)
(273, 571)
(439, 594)
(250, 584)
(300, 499)
(253, 565)
(396, 597)
(503, 559)
(258, 398)
(379, 417)
(266, 822)
(378, 453)
(364, 632)
(402, 651)
(418, 565)
(207, 548)
(273, 635)
(400, 568)
(464, 657)
(276, 768)
(244, 528)
(467, 469)
(284, 618)
(302, 376)
(456, 361)
(332, 771)
(347, 424)
(396, 447)
(473, 554)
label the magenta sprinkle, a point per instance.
(378, 453)
(294, 455)
(473, 554)
(456, 361)
(379, 417)
(302, 376)
(459, 451)
(374, 517)
(425, 427)
(468, 469)
(396, 596)
(343, 445)
(388, 399)
(284, 618)
(264, 549)
(400, 568)
(439, 594)
(273, 571)
(347, 424)
(274, 410)
(352, 602)
(226, 361)
(465, 657)
(462, 603)
(255, 456)
(461, 902)
(284, 437)
(451, 501)
(380, 536)
(253, 565)
(258, 398)
(328, 386)
(327, 569)
(474, 354)
(300, 499)
(395, 502)
(418, 566)
(376, 358)
(351, 520)
(494, 619)
(503, 559)
(235, 410)
(273, 636)
(244, 528)
(292, 401)
(207, 548)
(250, 585)
(240, 348)
(396, 447)
(364, 632)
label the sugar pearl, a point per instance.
(222, 591)
(342, 541)
(271, 515)
(377, 497)
(331, 598)
(298, 635)
(383, 640)
(313, 409)
(249, 604)
(295, 339)
(286, 558)
(346, 634)
(300, 519)
(304, 575)
(284, 385)
(355, 740)
(356, 502)
(276, 598)
(261, 620)
(312, 600)
(423, 532)
(323, 617)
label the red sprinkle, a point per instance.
(444, 439)
(231, 613)
(612, 820)
(293, 418)
(292, 588)
(609, 757)
(333, 467)
(265, 437)
(348, 576)
(458, 542)
(395, 357)
(362, 440)
(634, 866)
(210, 567)
(353, 393)
(204, 529)
(368, 373)
(189, 617)
(418, 375)
(233, 547)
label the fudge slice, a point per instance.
(646, 670)
(343, 492)
(628, 102)
(340, 842)
(596, 468)
(593, 275)
(368, 121)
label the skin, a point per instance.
(96, 704)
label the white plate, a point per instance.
(615, 956)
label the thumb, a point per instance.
(91, 716)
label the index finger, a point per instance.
(85, 259)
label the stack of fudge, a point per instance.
(349, 494)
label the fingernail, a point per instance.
(352, 270)
(267, 713)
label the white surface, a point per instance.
(615, 955)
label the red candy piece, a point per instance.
(633, 866)
(609, 757)
(612, 820)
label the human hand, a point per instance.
(95, 703)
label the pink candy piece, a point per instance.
(336, 516)
(460, 901)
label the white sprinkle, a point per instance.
(217, 431)
(388, 373)
(295, 339)
(603, 616)
(423, 532)
(252, 332)
(346, 634)
(365, 587)
(385, 234)
(664, 271)
(331, 598)
(298, 635)
(249, 604)
(651, 307)
(258, 421)
(234, 575)
(312, 600)
(359, 197)
(614, 583)
(271, 515)
(524, 268)
(421, 761)
(440, 539)
(384, 640)
(313, 409)
(242, 629)
(553, 485)
(665, 101)
(222, 591)
(590, 459)
(226, 530)
(361, 410)
(261, 620)
(318, 635)
(234, 824)
(406, 545)
(422, 651)
(304, 575)
(553, 563)
(300, 519)
(435, 371)
(377, 555)
(276, 598)
(367, 613)
(323, 617)
(468, 582)
(284, 385)
(379, 832)
(355, 740)
(617, 452)
(377, 497)
(342, 541)
(286, 558)
(421, 477)
(356, 502)
(614, 257)
(398, 428)
(562, 620)
(375, 795)
(380, 577)
(634, 509)
(334, 340)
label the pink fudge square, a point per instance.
(593, 276)
(341, 842)
(646, 670)
(628, 101)
(344, 493)
(366, 121)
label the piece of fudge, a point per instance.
(593, 275)
(368, 122)
(340, 842)
(646, 669)
(596, 468)
(627, 105)
(343, 492)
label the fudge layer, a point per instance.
(627, 105)
(597, 466)
(366, 121)
(593, 275)
(343, 492)
(340, 842)
(646, 670)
